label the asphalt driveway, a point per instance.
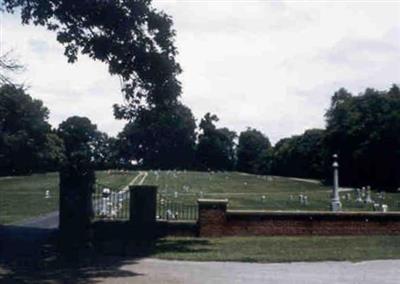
(163, 271)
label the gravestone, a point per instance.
(359, 195)
(368, 198)
(305, 200)
(363, 192)
(105, 203)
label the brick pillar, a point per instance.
(142, 211)
(212, 217)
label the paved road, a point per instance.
(47, 221)
(33, 232)
(160, 271)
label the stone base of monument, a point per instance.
(336, 206)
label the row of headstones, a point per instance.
(363, 195)
(175, 174)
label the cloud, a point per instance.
(265, 64)
(84, 88)
(39, 46)
(275, 68)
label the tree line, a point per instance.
(137, 42)
(363, 130)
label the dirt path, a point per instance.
(314, 181)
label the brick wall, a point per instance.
(215, 220)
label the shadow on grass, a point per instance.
(182, 246)
(30, 255)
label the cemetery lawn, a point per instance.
(22, 197)
(246, 191)
(279, 249)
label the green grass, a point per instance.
(22, 197)
(279, 249)
(245, 191)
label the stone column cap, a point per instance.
(212, 201)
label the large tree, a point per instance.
(364, 131)
(27, 143)
(9, 65)
(162, 137)
(299, 155)
(252, 144)
(137, 42)
(133, 38)
(216, 146)
(79, 135)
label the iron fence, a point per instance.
(113, 204)
(172, 210)
(110, 204)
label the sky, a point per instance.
(269, 65)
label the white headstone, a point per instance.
(368, 198)
(301, 199)
(359, 195)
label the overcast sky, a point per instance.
(269, 65)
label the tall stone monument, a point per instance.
(336, 205)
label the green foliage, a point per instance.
(27, 143)
(299, 156)
(83, 139)
(133, 38)
(215, 148)
(105, 152)
(78, 134)
(161, 138)
(364, 131)
(54, 153)
(252, 145)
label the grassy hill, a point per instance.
(246, 191)
(22, 197)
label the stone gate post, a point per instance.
(142, 211)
